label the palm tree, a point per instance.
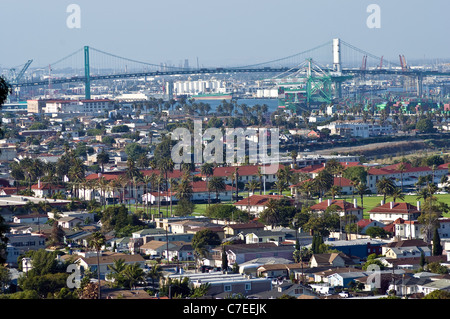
(294, 155)
(102, 159)
(165, 166)
(155, 273)
(184, 188)
(133, 274)
(361, 190)
(260, 176)
(270, 213)
(397, 194)
(216, 184)
(281, 185)
(385, 186)
(116, 271)
(207, 170)
(252, 185)
(401, 168)
(334, 191)
(146, 179)
(96, 242)
(123, 181)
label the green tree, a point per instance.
(4, 228)
(385, 186)
(437, 247)
(96, 241)
(425, 126)
(216, 184)
(5, 90)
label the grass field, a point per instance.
(373, 201)
(370, 201)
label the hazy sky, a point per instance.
(233, 32)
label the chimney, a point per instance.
(382, 202)
(320, 200)
(329, 202)
(392, 205)
(355, 202)
(418, 205)
(99, 175)
(39, 183)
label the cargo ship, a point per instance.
(212, 96)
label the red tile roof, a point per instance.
(340, 203)
(398, 208)
(258, 200)
(246, 170)
(201, 187)
(47, 186)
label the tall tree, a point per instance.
(96, 242)
(385, 186)
(207, 169)
(437, 247)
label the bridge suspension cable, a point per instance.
(368, 54)
(134, 61)
(285, 58)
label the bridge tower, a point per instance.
(87, 74)
(337, 55)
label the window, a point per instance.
(248, 286)
(227, 288)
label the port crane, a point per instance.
(16, 78)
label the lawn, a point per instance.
(374, 200)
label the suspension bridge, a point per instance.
(340, 61)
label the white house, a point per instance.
(389, 212)
(69, 222)
(106, 260)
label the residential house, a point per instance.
(441, 284)
(406, 252)
(408, 243)
(47, 190)
(407, 229)
(322, 274)
(69, 222)
(256, 204)
(223, 285)
(330, 260)
(106, 260)
(242, 228)
(343, 279)
(343, 208)
(201, 192)
(251, 267)
(241, 253)
(247, 173)
(155, 248)
(263, 236)
(408, 176)
(181, 251)
(25, 242)
(411, 263)
(287, 288)
(365, 224)
(279, 270)
(31, 219)
(388, 212)
(361, 248)
(408, 285)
